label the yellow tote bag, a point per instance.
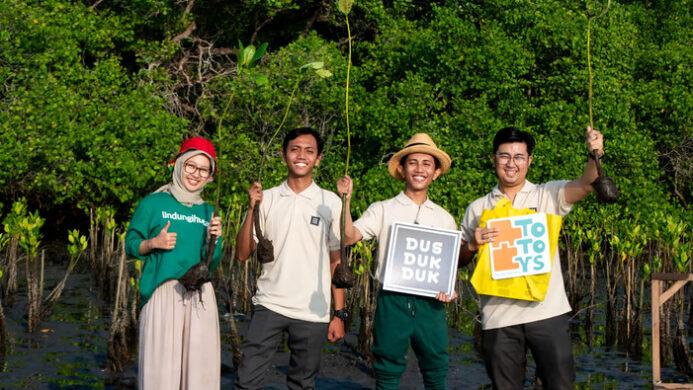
(528, 288)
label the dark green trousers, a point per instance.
(401, 320)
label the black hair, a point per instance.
(299, 131)
(512, 134)
(403, 160)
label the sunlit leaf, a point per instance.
(261, 79)
(259, 53)
(313, 65)
(344, 6)
(323, 73)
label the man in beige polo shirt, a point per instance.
(403, 319)
(512, 326)
(293, 291)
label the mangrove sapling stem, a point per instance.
(589, 59)
(118, 351)
(119, 285)
(343, 276)
(265, 147)
(57, 291)
(93, 239)
(42, 271)
(3, 335)
(32, 292)
(11, 286)
(346, 98)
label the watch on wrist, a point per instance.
(342, 314)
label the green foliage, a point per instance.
(11, 223)
(30, 233)
(86, 92)
(77, 243)
(74, 126)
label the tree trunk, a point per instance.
(3, 335)
(11, 285)
(680, 349)
(118, 344)
(33, 298)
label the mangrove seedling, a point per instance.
(265, 249)
(343, 276)
(604, 186)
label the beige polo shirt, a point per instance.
(303, 228)
(498, 312)
(379, 217)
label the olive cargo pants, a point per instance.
(401, 320)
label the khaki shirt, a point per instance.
(303, 228)
(379, 217)
(498, 312)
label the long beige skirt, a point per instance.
(179, 340)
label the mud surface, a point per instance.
(69, 352)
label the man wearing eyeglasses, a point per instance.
(512, 326)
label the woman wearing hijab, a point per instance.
(179, 345)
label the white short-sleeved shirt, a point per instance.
(303, 228)
(497, 312)
(379, 217)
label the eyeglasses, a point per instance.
(190, 169)
(504, 158)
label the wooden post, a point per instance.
(659, 297)
(656, 292)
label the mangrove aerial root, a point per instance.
(265, 248)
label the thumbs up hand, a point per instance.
(164, 240)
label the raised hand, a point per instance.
(594, 140)
(345, 186)
(215, 226)
(255, 194)
(164, 240)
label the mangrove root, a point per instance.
(264, 249)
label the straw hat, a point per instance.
(419, 143)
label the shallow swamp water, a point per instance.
(69, 352)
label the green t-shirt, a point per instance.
(188, 222)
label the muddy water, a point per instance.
(69, 352)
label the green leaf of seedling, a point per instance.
(323, 73)
(248, 54)
(344, 6)
(313, 65)
(261, 79)
(259, 53)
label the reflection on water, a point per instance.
(69, 351)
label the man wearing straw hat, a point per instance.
(511, 326)
(401, 319)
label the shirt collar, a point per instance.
(527, 187)
(405, 200)
(310, 192)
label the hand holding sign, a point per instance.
(482, 236)
(445, 298)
